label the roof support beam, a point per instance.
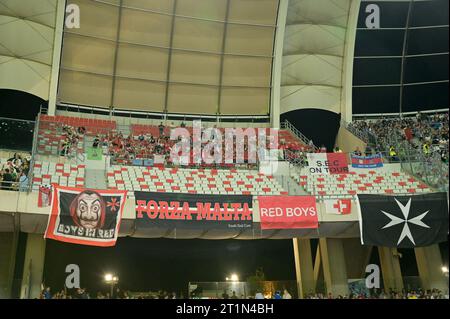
(222, 57)
(405, 48)
(116, 54)
(169, 61)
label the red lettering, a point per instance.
(152, 209)
(217, 214)
(203, 211)
(186, 215)
(141, 207)
(164, 210)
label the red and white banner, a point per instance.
(327, 163)
(338, 206)
(85, 216)
(45, 196)
(288, 212)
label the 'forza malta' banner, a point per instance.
(193, 211)
(85, 216)
(403, 221)
(327, 163)
(373, 161)
(288, 212)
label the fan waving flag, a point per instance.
(403, 221)
(85, 216)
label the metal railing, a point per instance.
(365, 135)
(430, 169)
(16, 186)
(286, 125)
(241, 290)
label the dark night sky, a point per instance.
(153, 264)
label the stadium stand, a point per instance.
(427, 133)
(145, 141)
(372, 182)
(46, 173)
(92, 126)
(65, 135)
(204, 181)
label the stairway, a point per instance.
(289, 185)
(95, 179)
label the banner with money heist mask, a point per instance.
(85, 216)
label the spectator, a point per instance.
(161, 129)
(96, 142)
(47, 294)
(393, 153)
(23, 182)
(286, 294)
(7, 180)
(357, 151)
(259, 295)
(225, 295)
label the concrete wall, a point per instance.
(348, 142)
(6, 263)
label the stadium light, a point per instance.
(111, 280)
(233, 277)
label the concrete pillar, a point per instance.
(347, 68)
(390, 269)
(429, 264)
(277, 65)
(334, 267)
(33, 267)
(56, 61)
(360, 257)
(303, 266)
(8, 247)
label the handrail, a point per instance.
(33, 152)
(366, 136)
(291, 128)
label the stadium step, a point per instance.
(95, 178)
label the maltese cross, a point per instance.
(406, 232)
(113, 204)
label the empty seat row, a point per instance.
(373, 182)
(46, 173)
(192, 181)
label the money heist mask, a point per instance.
(88, 210)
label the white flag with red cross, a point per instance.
(338, 206)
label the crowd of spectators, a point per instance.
(425, 133)
(82, 293)
(14, 173)
(380, 294)
(71, 137)
(125, 149)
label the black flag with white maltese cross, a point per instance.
(403, 221)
